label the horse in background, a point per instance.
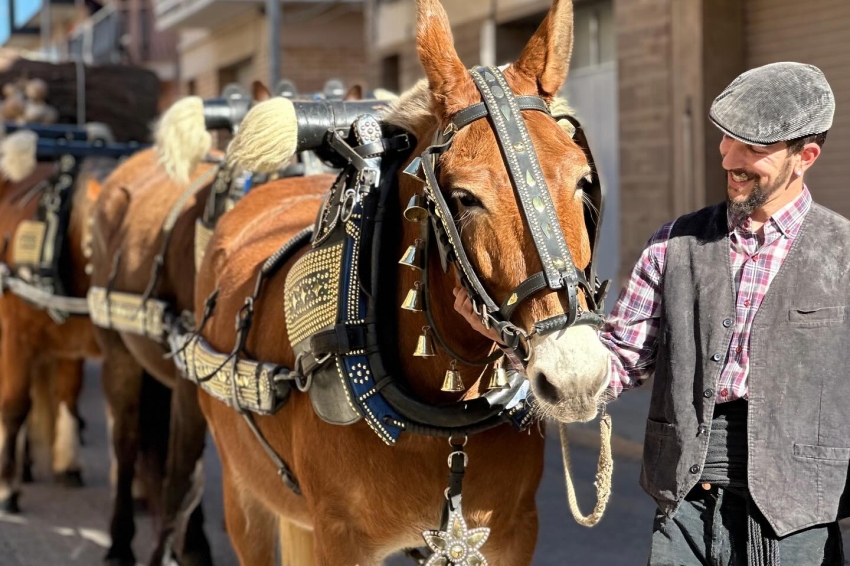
(361, 500)
(40, 357)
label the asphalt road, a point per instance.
(63, 526)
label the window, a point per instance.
(390, 73)
(594, 34)
(593, 41)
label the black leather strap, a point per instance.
(339, 340)
(536, 282)
(479, 110)
(527, 176)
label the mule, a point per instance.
(38, 353)
(126, 226)
(127, 237)
(362, 500)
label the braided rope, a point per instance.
(604, 472)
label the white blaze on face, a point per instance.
(66, 446)
(568, 371)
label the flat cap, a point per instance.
(774, 103)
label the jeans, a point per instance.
(710, 529)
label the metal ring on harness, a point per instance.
(302, 382)
(348, 202)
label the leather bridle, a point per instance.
(559, 273)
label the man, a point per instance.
(738, 310)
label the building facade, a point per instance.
(223, 42)
(117, 32)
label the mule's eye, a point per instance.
(466, 199)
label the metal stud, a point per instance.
(413, 300)
(499, 379)
(412, 258)
(416, 211)
(452, 381)
(424, 347)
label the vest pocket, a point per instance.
(832, 465)
(822, 452)
(657, 435)
(816, 316)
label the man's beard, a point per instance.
(758, 195)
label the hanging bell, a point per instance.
(424, 347)
(499, 379)
(412, 258)
(416, 211)
(413, 300)
(452, 381)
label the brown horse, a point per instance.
(36, 352)
(126, 237)
(361, 499)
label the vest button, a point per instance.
(707, 393)
(694, 469)
(716, 357)
(727, 322)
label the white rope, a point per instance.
(604, 472)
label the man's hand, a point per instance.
(463, 305)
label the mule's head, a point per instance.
(567, 369)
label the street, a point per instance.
(61, 526)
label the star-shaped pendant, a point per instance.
(458, 545)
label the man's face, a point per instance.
(754, 173)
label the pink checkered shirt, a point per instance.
(631, 331)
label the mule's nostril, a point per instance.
(544, 389)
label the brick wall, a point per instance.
(645, 112)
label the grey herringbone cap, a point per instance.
(774, 103)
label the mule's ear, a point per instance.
(354, 93)
(259, 91)
(449, 81)
(546, 57)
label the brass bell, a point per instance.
(452, 381)
(413, 300)
(412, 258)
(499, 379)
(416, 211)
(424, 347)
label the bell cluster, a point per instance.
(414, 258)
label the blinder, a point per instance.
(559, 273)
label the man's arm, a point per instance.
(631, 331)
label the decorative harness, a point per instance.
(38, 243)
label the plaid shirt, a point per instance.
(631, 331)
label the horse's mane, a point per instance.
(412, 111)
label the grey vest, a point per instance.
(799, 379)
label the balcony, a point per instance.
(210, 14)
(118, 34)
